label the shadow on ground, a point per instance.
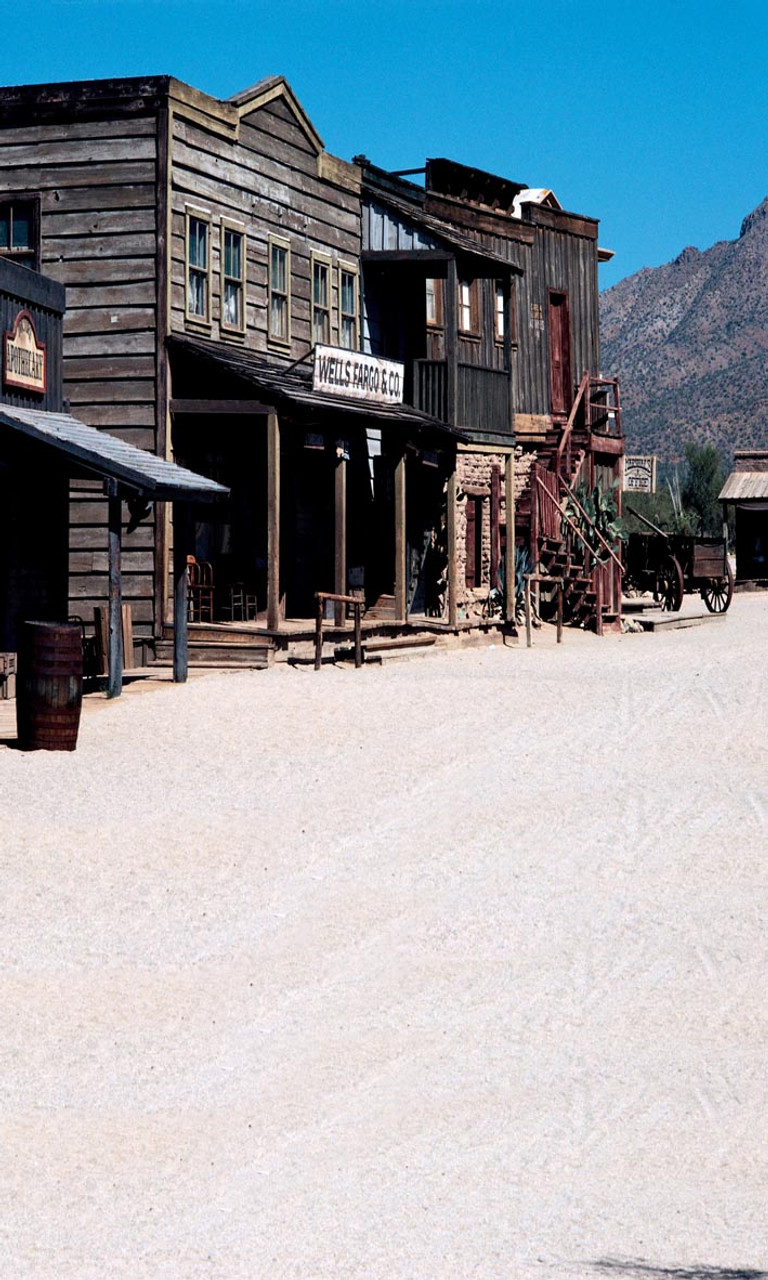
(644, 1271)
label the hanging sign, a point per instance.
(339, 372)
(640, 474)
(24, 356)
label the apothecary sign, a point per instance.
(24, 356)
(339, 372)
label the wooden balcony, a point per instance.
(482, 395)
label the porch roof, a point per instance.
(745, 486)
(105, 455)
(290, 387)
(444, 232)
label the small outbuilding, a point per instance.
(746, 490)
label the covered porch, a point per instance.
(325, 495)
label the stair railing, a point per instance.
(567, 429)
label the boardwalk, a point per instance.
(451, 968)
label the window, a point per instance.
(468, 309)
(279, 291)
(435, 303)
(232, 277)
(348, 309)
(321, 300)
(198, 267)
(20, 231)
(499, 295)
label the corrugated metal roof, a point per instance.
(745, 486)
(105, 455)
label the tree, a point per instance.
(704, 478)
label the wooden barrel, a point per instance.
(49, 686)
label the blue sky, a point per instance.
(650, 116)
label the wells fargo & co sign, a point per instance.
(340, 372)
(24, 356)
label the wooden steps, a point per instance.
(212, 653)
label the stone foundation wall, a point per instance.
(473, 479)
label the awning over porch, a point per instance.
(288, 390)
(126, 472)
(105, 456)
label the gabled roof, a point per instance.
(105, 455)
(267, 90)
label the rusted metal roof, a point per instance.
(745, 486)
(105, 455)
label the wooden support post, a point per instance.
(559, 613)
(358, 635)
(401, 602)
(115, 677)
(450, 309)
(598, 577)
(273, 522)
(509, 568)
(319, 632)
(496, 534)
(181, 549)
(528, 637)
(450, 534)
(340, 547)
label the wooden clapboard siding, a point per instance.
(97, 183)
(269, 180)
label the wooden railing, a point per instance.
(482, 394)
(357, 603)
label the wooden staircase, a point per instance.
(591, 584)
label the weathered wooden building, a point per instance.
(488, 290)
(209, 248)
(745, 493)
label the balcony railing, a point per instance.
(482, 395)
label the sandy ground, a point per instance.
(451, 968)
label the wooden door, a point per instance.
(560, 353)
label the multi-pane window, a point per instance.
(348, 323)
(279, 291)
(434, 302)
(468, 306)
(18, 231)
(198, 267)
(232, 278)
(321, 300)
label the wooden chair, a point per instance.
(242, 605)
(199, 590)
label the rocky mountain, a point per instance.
(689, 341)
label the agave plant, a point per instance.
(602, 518)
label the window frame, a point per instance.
(474, 309)
(320, 259)
(473, 541)
(277, 339)
(203, 216)
(439, 297)
(350, 269)
(24, 257)
(234, 227)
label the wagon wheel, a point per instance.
(669, 584)
(718, 591)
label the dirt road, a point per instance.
(454, 968)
